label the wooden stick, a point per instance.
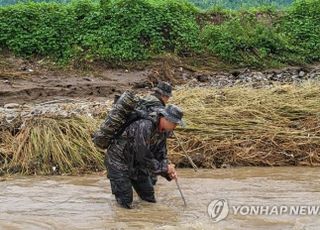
(195, 167)
(184, 200)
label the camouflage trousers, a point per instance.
(154, 179)
(122, 185)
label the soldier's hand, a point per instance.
(172, 171)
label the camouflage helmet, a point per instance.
(164, 88)
(174, 114)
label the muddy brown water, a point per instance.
(85, 202)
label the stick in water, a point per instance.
(184, 200)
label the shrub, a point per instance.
(245, 40)
(301, 25)
(130, 30)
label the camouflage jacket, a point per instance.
(151, 103)
(140, 149)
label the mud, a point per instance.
(49, 86)
(26, 82)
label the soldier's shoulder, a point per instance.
(150, 97)
(147, 122)
(152, 100)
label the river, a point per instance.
(85, 202)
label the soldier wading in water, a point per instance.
(139, 153)
(155, 101)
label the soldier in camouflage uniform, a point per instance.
(140, 152)
(155, 101)
(158, 99)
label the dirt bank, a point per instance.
(26, 82)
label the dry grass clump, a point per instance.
(242, 126)
(49, 146)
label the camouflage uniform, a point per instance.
(154, 101)
(132, 158)
(151, 103)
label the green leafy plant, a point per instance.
(129, 30)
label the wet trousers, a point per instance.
(122, 186)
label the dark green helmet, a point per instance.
(164, 88)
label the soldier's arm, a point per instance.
(162, 156)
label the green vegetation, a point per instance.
(11, 2)
(117, 31)
(236, 4)
(302, 27)
(205, 4)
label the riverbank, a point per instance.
(35, 81)
(236, 118)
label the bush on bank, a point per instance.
(126, 30)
